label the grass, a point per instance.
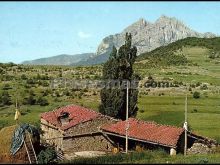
(170, 110)
(206, 69)
(167, 109)
(31, 114)
(203, 113)
(147, 157)
(206, 124)
(5, 139)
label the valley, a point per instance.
(164, 105)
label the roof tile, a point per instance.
(147, 131)
(77, 114)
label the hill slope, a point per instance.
(169, 55)
(62, 59)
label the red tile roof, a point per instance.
(147, 131)
(77, 114)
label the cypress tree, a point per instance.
(120, 67)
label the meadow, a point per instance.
(203, 113)
(148, 157)
(162, 105)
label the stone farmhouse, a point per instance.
(74, 128)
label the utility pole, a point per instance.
(127, 123)
(16, 99)
(16, 109)
(185, 126)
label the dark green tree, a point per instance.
(31, 99)
(196, 95)
(120, 67)
(47, 156)
(5, 98)
(42, 101)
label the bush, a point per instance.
(94, 93)
(141, 111)
(204, 87)
(23, 77)
(30, 100)
(196, 95)
(5, 98)
(6, 87)
(46, 156)
(57, 100)
(198, 84)
(195, 110)
(42, 101)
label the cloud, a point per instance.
(84, 35)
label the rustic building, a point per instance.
(74, 128)
(150, 135)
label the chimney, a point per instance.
(64, 118)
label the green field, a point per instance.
(162, 105)
(148, 157)
(161, 109)
(203, 113)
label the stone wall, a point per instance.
(95, 142)
(200, 148)
(64, 139)
(89, 127)
(86, 136)
(51, 134)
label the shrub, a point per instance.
(204, 87)
(94, 93)
(196, 95)
(141, 111)
(23, 77)
(5, 98)
(6, 87)
(198, 84)
(42, 101)
(195, 110)
(57, 100)
(46, 156)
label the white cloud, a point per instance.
(84, 35)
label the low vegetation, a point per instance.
(46, 156)
(193, 70)
(165, 55)
(148, 157)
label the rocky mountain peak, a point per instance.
(165, 21)
(166, 18)
(142, 22)
(147, 36)
(137, 26)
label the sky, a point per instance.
(31, 30)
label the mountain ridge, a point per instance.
(62, 59)
(146, 36)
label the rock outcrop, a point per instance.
(148, 36)
(199, 148)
